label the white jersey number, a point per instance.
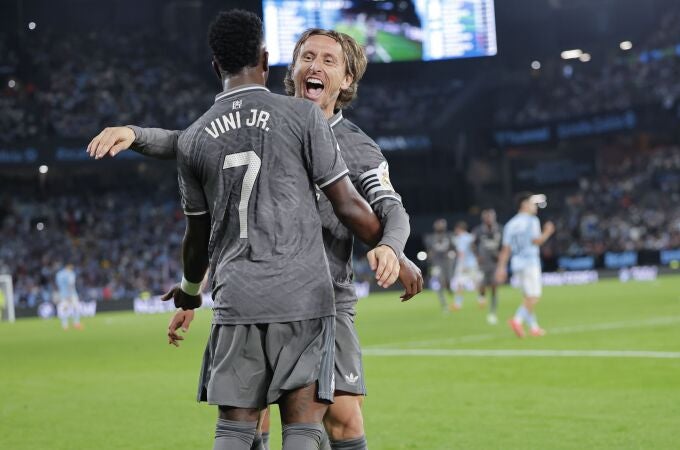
(253, 162)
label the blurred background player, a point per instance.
(68, 305)
(440, 252)
(522, 238)
(466, 274)
(487, 244)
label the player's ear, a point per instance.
(346, 82)
(265, 62)
(216, 68)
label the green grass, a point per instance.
(117, 384)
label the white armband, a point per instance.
(190, 288)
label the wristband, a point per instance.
(190, 288)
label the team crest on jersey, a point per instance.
(384, 176)
(376, 180)
(236, 104)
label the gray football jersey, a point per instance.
(439, 247)
(488, 243)
(369, 172)
(251, 162)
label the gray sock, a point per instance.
(325, 442)
(265, 441)
(233, 435)
(258, 444)
(494, 303)
(302, 436)
(442, 299)
(350, 444)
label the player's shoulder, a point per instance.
(347, 131)
(191, 135)
(360, 152)
(301, 107)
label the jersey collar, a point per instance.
(246, 88)
(336, 119)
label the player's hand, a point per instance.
(548, 228)
(501, 275)
(411, 277)
(385, 264)
(181, 319)
(182, 299)
(111, 141)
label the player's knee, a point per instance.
(239, 414)
(344, 419)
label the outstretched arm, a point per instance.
(153, 142)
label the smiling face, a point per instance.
(326, 69)
(320, 73)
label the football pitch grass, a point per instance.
(606, 376)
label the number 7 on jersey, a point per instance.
(253, 162)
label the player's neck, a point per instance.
(328, 112)
(243, 78)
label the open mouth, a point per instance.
(313, 88)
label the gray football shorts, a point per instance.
(349, 369)
(443, 273)
(488, 274)
(252, 366)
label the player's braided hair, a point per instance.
(355, 63)
(235, 37)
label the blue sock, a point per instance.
(533, 322)
(459, 300)
(522, 314)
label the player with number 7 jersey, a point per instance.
(242, 163)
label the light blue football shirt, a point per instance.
(66, 283)
(519, 234)
(463, 244)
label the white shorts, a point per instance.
(530, 281)
(68, 306)
(466, 278)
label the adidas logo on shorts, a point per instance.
(351, 378)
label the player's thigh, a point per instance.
(235, 370)
(531, 283)
(302, 405)
(301, 357)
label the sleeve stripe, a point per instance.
(197, 213)
(368, 181)
(368, 173)
(371, 185)
(335, 178)
(377, 189)
(377, 199)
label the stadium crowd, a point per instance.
(645, 75)
(121, 243)
(630, 205)
(72, 85)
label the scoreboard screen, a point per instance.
(399, 30)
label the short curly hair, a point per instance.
(355, 63)
(236, 37)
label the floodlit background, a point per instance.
(577, 99)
